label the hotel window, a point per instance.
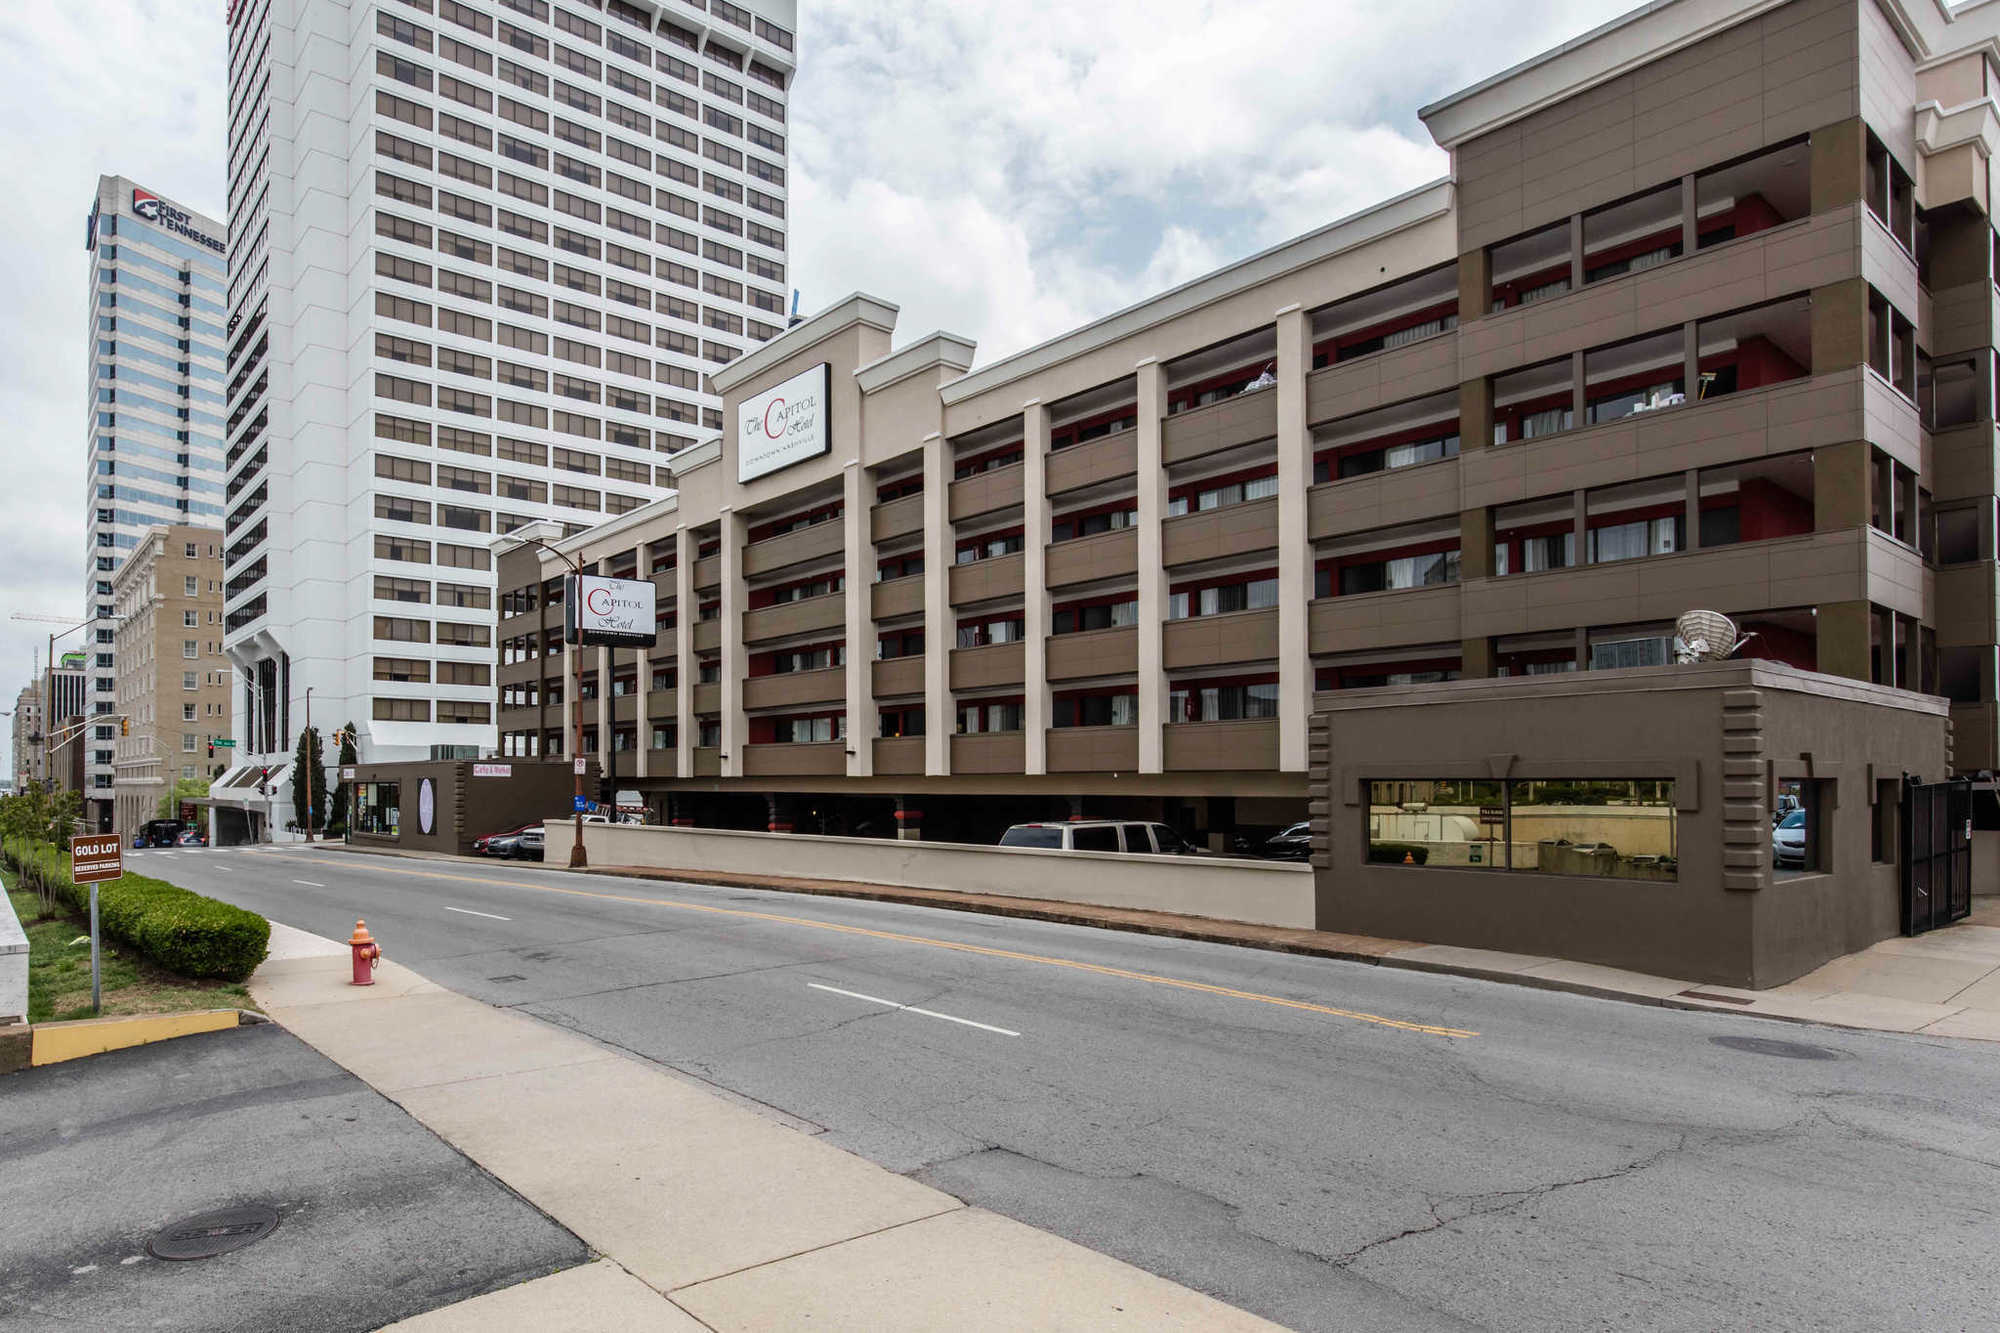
(984, 632)
(1230, 701)
(1095, 616)
(1218, 494)
(1005, 715)
(1252, 593)
(1118, 709)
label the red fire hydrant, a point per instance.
(366, 951)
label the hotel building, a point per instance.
(154, 445)
(1702, 317)
(487, 255)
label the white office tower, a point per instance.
(155, 433)
(483, 253)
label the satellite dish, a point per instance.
(1706, 636)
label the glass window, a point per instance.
(1094, 838)
(377, 807)
(1596, 827)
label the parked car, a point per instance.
(486, 846)
(1100, 835)
(1293, 843)
(528, 846)
(193, 837)
(1788, 840)
(139, 843)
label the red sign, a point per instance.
(95, 858)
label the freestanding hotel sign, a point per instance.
(609, 613)
(783, 426)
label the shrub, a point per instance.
(178, 929)
(1392, 853)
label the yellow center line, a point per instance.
(1178, 983)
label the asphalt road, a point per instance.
(1300, 1137)
(379, 1219)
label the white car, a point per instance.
(1788, 840)
(1100, 835)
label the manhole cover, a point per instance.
(210, 1234)
(1784, 1050)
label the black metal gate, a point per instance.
(1937, 854)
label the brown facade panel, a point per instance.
(986, 580)
(1380, 499)
(897, 597)
(897, 676)
(1086, 559)
(1100, 460)
(790, 689)
(707, 635)
(1206, 430)
(1968, 612)
(1384, 619)
(899, 755)
(982, 668)
(1786, 418)
(986, 493)
(813, 759)
(1395, 376)
(1221, 747)
(989, 752)
(707, 762)
(707, 698)
(1104, 652)
(897, 518)
(1093, 749)
(1217, 533)
(625, 708)
(814, 614)
(708, 572)
(663, 763)
(1243, 636)
(1757, 83)
(820, 542)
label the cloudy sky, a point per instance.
(1004, 169)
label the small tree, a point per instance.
(336, 822)
(309, 779)
(184, 789)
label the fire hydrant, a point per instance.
(366, 951)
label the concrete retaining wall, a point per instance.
(13, 966)
(1260, 892)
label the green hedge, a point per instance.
(178, 929)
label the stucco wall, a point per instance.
(1259, 892)
(13, 966)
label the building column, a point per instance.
(1692, 513)
(1475, 290)
(1843, 486)
(1838, 165)
(909, 820)
(1151, 379)
(685, 674)
(1576, 252)
(1840, 326)
(1475, 561)
(1690, 227)
(735, 600)
(1295, 556)
(940, 718)
(1843, 633)
(863, 719)
(1035, 583)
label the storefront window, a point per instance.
(1599, 827)
(377, 807)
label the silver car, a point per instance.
(1788, 840)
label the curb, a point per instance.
(53, 1043)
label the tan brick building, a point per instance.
(173, 681)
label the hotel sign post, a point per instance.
(93, 860)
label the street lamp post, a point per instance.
(578, 858)
(311, 804)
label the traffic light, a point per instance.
(211, 747)
(124, 726)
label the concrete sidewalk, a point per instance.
(1944, 984)
(705, 1213)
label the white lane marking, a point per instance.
(469, 912)
(227, 870)
(927, 1013)
(308, 883)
